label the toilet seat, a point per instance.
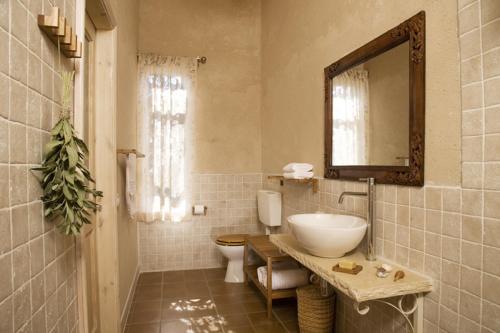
(232, 240)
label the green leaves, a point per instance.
(65, 180)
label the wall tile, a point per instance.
(490, 33)
(17, 142)
(450, 273)
(490, 260)
(492, 120)
(18, 102)
(433, 221)
(492, 204)
(490, 10)
(492, 232)
(471, 228)
(22, 306)
(433, 244)
(492, 92)
(492, 176)
(491, 313)
(450, 297)
(470, 45)
(20, 229)
(18, 185)
(4, 52)
(472, 149)
(470, 306)
(21, 265)
(472, 96)
(6, 324)
(491, 64)
(417, 196)
(471, 254)
(4, 141)
(451, 249)
(472, 122)
(448, 320)
(472, 175)
(34, 73)
(472, 202)
(5, 276)
(468, 326)
(433, 197)
(451, 200)
(34, 109)
(417, 218)
(18, 61)
(470, 280)
(491, 288)
(4, 14)
(468, 19)
(492, 148)
(451, 224)
(19, 20)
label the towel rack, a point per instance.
(313, 181)
(130, 151)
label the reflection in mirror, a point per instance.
(370, 111)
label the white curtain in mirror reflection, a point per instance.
(163, 101)
(350, 103)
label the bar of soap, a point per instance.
(347, 264)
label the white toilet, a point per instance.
(232, 246)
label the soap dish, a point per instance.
(353, 271)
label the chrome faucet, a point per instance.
(370, 215)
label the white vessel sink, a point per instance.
(327, 235)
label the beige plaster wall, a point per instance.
(227, 120)
(389, 117)
(299, 40)
(128, 19)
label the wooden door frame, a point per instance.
(105, 156)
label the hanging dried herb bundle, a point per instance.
(67, 196)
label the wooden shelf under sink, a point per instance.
(313, 181)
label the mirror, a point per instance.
(375, 108)
(370, 111)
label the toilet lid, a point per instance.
(232, 240)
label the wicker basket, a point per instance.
(316, 312)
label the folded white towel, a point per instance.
(130, 174)
(298, 175)
(297, 167)
(284, 278)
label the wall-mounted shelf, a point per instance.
(313, 181)
(60, 32)
(130, 151)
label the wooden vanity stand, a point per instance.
(269, 253)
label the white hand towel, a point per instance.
(284, 278)
(130, 186)
(298, 175)
(297, 167)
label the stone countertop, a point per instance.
(365, 285)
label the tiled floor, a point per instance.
(200, 301)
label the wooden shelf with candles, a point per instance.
(313, 181)
(57, 28)
(130, 151)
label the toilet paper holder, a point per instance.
(199, 210)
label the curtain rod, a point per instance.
(199, 59)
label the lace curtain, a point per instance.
(350, 104)
(165, 101)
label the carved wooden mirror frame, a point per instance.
(413, 31)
